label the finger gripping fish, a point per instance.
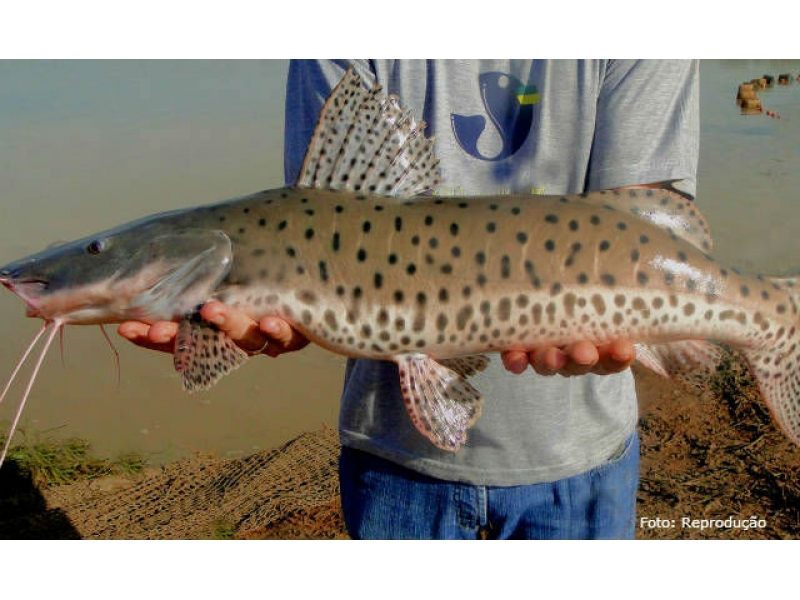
(361, 263)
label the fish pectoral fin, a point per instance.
(441, 403)
(204, 354)
(195, 262)
(693, 362)
(466, 366)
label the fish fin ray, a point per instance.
(442, 405)
(204, 354)
(365, 142)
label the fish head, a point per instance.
(148, 270)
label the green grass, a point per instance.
(51, 463)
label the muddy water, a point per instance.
(86, 146)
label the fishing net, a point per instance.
(277, 492)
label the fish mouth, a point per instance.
(28, 290)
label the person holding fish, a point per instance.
(551, 457)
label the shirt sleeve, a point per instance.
(308, 85)
(647, 125)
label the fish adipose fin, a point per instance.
(193, 261)
(366, 143)
(441, 402)
(664, 208)
(204, 354)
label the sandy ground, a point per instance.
(712, 466)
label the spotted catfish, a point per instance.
(364, 265)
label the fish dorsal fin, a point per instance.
(203, 353)
(665, 208)
(442, 404)
(366, 143)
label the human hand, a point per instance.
(579, 358)
(248, 334)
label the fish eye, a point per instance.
(96, 247)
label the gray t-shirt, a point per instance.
(523, 126)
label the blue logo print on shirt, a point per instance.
(509, 104)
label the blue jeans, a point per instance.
(382, 500)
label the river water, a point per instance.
(89, 145)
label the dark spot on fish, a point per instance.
(505, 266)
(306, 296)
(635, 255)
(481, 280)
(516, 210)
(340, 290)
(290, 251)
(444, 295)
(441, 322)
(480, 258)
(522, 237)
(594, 220)
(504, 309)
(366, 226)
(398, 296)
(551, 218)
(361, 255)
(642, 278)
(464, 314)
(258, 252)
(608, 279)
(411, 268)
(282, 225)
(599, 304)
(491, 227)
(467, 291)
(262, 222)
(323, 270)
(415, 240)
(309, 233)
(357, 292)
(644, 239)
(455, 251)
(582, 278)
(447, 268)
(339, 208)
(433, 242)
(454, 228)
(573, 225)
(622, 226)
(429, 220)
(549, 245)
(378, 280)
(745, 290)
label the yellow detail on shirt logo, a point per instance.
(528, 95)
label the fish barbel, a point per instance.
(363, 265)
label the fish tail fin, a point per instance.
(777, 373)
(776, 366)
